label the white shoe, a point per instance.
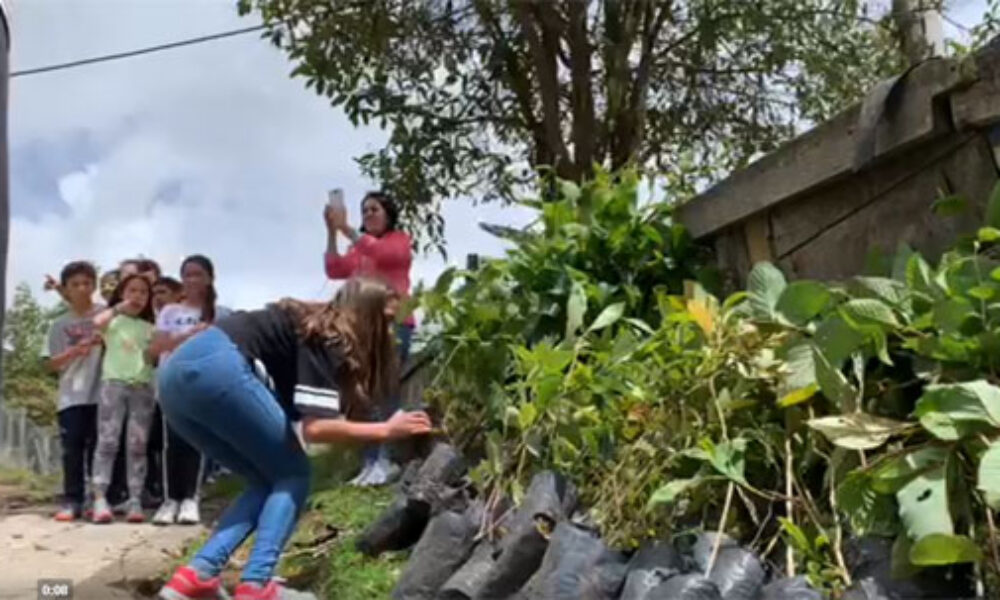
(382, 472)
(166, 514)
(362, 478)
(189, 513)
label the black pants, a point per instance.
(78, 435)
(154, 457)
(183, 465)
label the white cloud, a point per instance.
(209, 149)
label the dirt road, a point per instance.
(104, 562)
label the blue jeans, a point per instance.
(211, 398)
(404, 335)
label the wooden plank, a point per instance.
(902, 214)
(979, 105)
(794, 223)
(825, 154)
(757, 230)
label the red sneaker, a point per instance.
(248, 590)
(187, 585)
(69, 512)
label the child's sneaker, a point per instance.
(187, 585)
(70, 511)
(247, 590)
(189, 513)
(134, 514)
(167, 513)
(102, 511)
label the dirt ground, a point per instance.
(104, 562)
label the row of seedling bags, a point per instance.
(542, 550)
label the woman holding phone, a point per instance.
(382, 251)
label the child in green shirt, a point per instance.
(126, 390)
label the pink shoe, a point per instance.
(187, 585)
(272, 591)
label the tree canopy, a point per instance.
(477, 94)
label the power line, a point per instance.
(138, 52)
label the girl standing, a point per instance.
(383, 251)
(328, 363)
(182, 463)
(126, 393)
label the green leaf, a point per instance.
(868, 511)
(833, 384)
(919, 276)
(837, 340)
(982, 292)
(799, 366)
(993, 208)
(989, 474)
(901, 261)
(891, 475)
(728, 458)
(939, 549)
(866, 312)
(988, 234)
(949, 206)
(764, 287)
(950, 314)
(923, 504)
(956, 410)
(796, 535)
(666, 494)
(801, 301)
(576, 306)
(858, 430)
(798, 396)
(888, 290)
(995, 274)
(608, 316)
(526, 415)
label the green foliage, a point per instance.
(27, 383)
(871, 405)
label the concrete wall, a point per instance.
(864, 181)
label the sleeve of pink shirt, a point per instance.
(391, 251)
(345, 265)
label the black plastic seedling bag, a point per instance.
(870, 559)
(466, 583)
(577, 566)
(685, 587)
(425, 492)
(549, 500)
(653, 564)
(397, 528)
(793, 588)
(736, 572)
(444, 546)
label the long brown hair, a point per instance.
(208, 304)
(355, 322)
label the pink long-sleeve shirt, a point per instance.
(388, 257)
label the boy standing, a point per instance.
(74, 350)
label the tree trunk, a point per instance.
(921, 34)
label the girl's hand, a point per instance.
(405, 424)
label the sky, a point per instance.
(209, 149)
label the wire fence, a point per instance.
(24, 445)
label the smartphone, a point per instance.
(335, 198)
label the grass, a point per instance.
(321, 556)
(28, 487)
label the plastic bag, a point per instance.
(444, 546)
(397, 528)
(425, 491)
(792, 588)
(470, 577)
(549, 500)
(870, 558)
(577, 565)
(686, 587)
(653, 564)
(737, 572)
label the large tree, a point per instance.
(477, 93)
